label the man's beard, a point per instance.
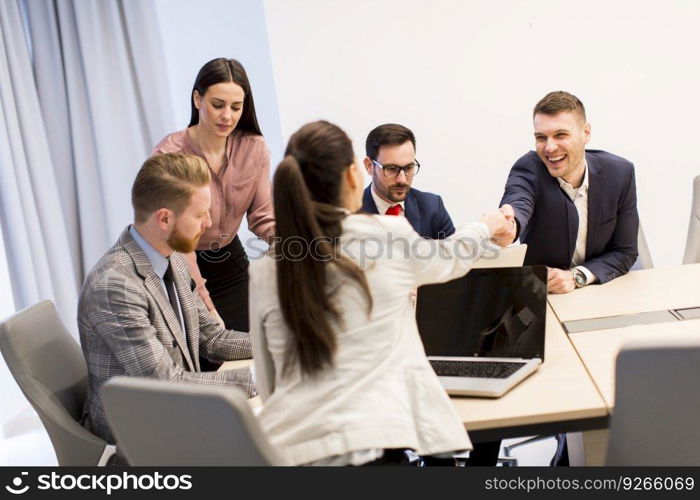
(181, 244)
(398, 198)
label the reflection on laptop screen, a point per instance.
(487, 313)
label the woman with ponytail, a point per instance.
(339, 362)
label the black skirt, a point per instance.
(226, 272)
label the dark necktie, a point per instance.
(172, 293)
(394, 210)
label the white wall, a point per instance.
(465, 75)
(195, 32)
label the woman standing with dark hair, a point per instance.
(337, 353)
(224, 131)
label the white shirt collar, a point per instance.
(570, 190)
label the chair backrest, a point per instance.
(644, 258)
(161, 423)
(692, 243)
(48, 365)
(655, 419)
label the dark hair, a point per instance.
(389, 133)
(557, 102)
(226, 70)
(167, 181)
(307, 191)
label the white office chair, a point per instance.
(692, 244)
(655, 420)
(49, 367)
(161, 423)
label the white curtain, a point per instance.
(100, 76)
(36, 242)
(83, 99)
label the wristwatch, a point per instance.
(579, 277)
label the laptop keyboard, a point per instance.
(476, 369)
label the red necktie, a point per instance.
(394, 210)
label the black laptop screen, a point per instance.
(487, 313)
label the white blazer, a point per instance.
(381, 392)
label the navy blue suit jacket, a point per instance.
(548, 219)
(424, 211)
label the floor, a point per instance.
(31, 448)
(532, 454)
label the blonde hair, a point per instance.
(167, 181)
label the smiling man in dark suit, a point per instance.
(391, 163)
(575, 208)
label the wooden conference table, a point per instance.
(573, 389)
(630, 297)
(636, 292)
(599, 349)
(558, 397)
(650, 305)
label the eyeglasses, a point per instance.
(394, 170)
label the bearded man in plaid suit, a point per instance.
(138, 313)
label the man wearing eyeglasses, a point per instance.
(391, 162)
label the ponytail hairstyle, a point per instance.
(307, 192)
(226, 70)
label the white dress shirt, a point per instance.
(580, 198)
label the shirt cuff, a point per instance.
(590, 277)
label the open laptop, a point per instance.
(484, 333)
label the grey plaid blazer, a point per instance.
(128, 327)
